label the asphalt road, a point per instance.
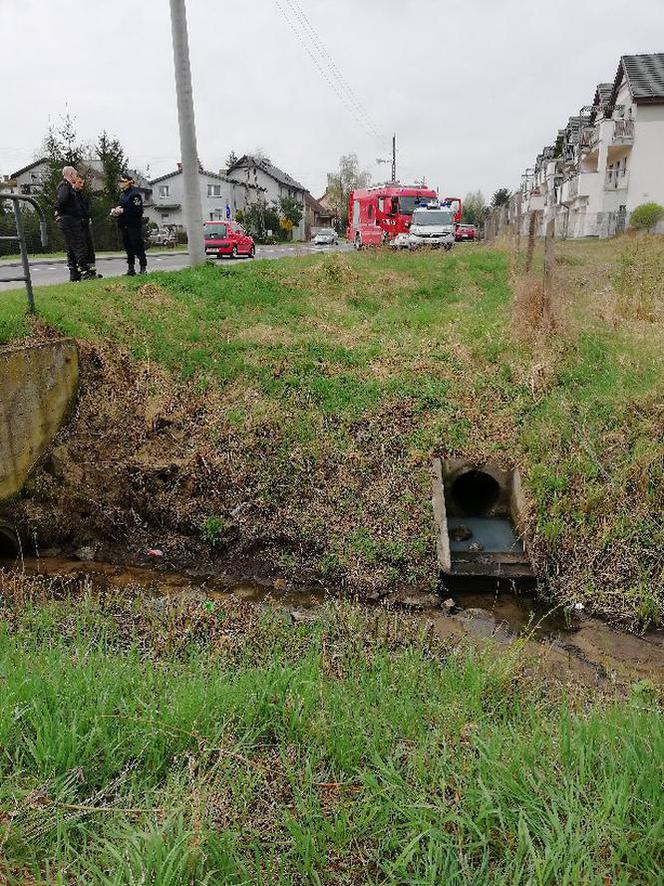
(56, 271)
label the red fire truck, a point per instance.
(376, 215)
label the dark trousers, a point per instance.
(74, 273)
(133, 243)
(90, 246)
(77, 248)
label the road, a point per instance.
(55, 271)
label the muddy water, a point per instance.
(586, 648)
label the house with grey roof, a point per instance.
(270, 183)
(221, 197)
(29, 179)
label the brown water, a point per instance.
(586, 648)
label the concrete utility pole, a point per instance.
(193, 211)
(394, 157)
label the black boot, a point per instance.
(89, 275)
(143, 269)
(130, 271)
(74, 277)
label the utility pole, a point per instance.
(193, 211)
(380, 160)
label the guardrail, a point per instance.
(20, 238)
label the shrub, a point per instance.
(646, 216)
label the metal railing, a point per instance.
(616, 180)
(623, 130)
(20, 238)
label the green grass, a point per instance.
(334, 378)
(209, 742)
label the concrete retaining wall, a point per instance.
(38, 385)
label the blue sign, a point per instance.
(228, 211)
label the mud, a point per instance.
(572, 648)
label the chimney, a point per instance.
(179, 167)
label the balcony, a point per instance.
(623, 132)
(616, 181)
(584, 184)
(589, 137)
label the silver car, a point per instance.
(326, 238)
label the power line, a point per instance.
(324, 73)
(320, 69)
(333, 67)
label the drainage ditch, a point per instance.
(584, 647)
(10, 546)
(479, 508)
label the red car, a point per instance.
(227, 238)
(465, 232)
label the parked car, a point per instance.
(466, 232)
(328, 237)
(162, 238)
(227, 238)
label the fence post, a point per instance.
(531, 241)
(549, 264)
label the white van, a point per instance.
(432, 226)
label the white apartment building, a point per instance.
(607, 160)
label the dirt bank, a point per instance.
(149, 463)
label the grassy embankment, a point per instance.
(308, 396)
(174, 742)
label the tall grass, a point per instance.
(241, 749)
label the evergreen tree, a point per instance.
(113, 160)
(500, 197)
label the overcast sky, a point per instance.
(473, 88)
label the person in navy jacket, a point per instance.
(129, 214)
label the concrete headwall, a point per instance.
(38, 384)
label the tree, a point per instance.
(500, 197)
(349, 177)
(291, 213)
(60, 148)
(646, 216)
(113, 160)
(231, 160)
(475, 209)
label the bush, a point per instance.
(646, 216)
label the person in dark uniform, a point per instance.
(86, 223)
(68, 214)
(130, 221)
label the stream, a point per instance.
(584, 647)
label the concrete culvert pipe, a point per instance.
(475, 493)
(9, 544)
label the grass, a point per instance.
(190, 741)
(317, 389)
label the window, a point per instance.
(163, 190)
(214, 190)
